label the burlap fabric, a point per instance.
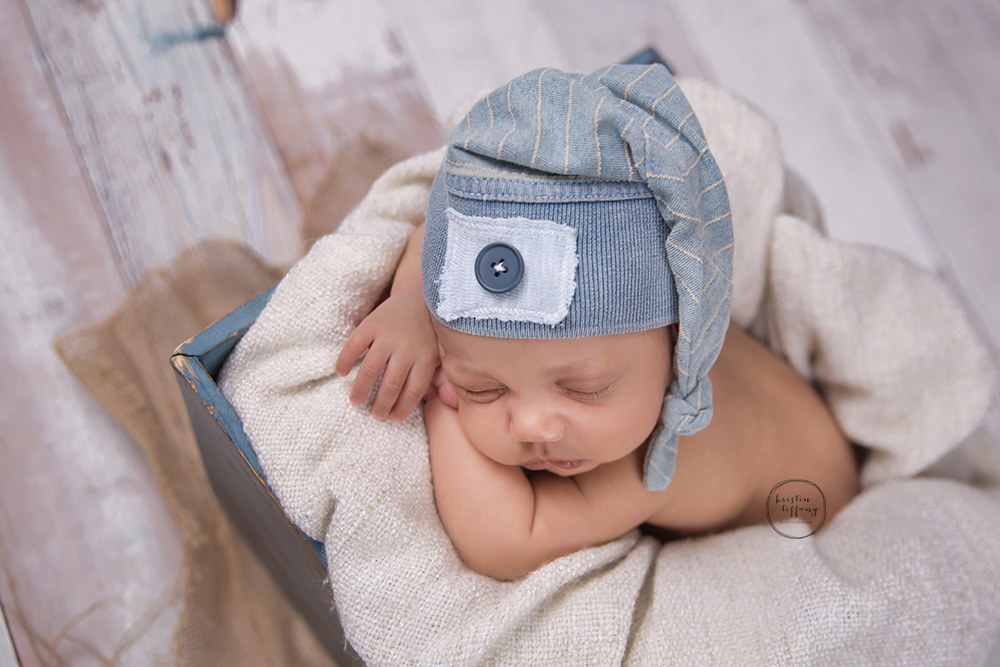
(233, 613)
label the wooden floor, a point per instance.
(131, 129)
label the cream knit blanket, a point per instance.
(908, 573)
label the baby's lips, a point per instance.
(543, 464)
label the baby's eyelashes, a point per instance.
(481, 395)
(587, 395)
(489, 395)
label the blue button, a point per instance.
(499, 267)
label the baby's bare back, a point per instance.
(768, 425)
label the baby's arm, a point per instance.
(399, 338)
(505, 525)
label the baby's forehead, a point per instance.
(589, 355)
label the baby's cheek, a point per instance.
(473, 423)
(485, 432)
(627, 427)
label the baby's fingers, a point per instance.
(417, 383)
(367, 374)
(356, 344)
(390, 387)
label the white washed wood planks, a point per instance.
(81, 520)
(171, 143)
(331, 75)
(596, 33)
(465, 47)
(341, 81)
(926, 75)
(765, 52)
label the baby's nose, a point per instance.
(539, 450)
(536, 425)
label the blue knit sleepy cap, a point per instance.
(571, 205)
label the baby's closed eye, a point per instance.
(587, 395)
(489, 395)
(481, 395)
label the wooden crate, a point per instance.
(297, 562)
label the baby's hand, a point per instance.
(400, 339)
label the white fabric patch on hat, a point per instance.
(547, 286)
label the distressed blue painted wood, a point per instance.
(297, 562)
(210, 349)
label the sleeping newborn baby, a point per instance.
(564, 312)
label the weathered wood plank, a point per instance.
(462, 47)
(171, 143)
(962, 40)
(81, 519)
(336, 86)
(766, 52)
(924, 73)
(595, 33)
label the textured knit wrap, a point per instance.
(606, 184)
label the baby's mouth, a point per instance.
(542, 464)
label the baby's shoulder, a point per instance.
(768, 424)
(763, 406)
(755, 388)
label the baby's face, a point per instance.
(562, 405)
